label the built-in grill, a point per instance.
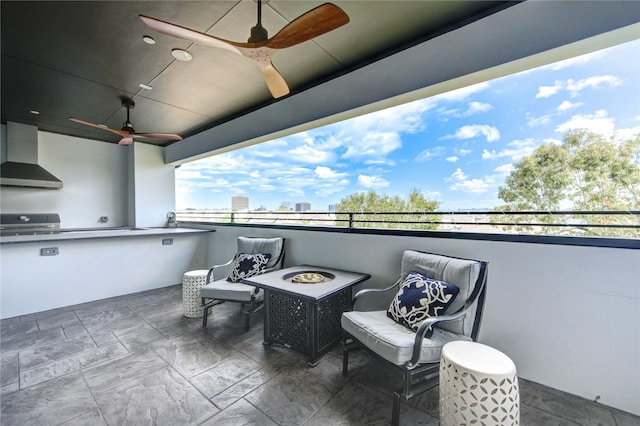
(29, 223)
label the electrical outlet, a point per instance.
(49, 251)
(167, 241)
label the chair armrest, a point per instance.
(211, 276)
(428, 324)
(371, 291)
(273, 268)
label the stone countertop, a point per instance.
(83, 234)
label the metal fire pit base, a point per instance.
(305, 317)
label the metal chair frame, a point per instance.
(419, 377)
(255, 304)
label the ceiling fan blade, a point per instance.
(185, 33)
(126, 141)
(170, 136)
(100, 126)
(275, 82)
(318, 21)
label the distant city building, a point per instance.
(238, 202)
(332, 207)
(303, 207)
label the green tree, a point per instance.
(587, 172)
(383, 211)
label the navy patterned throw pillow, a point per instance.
(420, 298)
(248, 265)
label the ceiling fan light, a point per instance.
(181, 55)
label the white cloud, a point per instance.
(457, 175)
(430, 154)
(452, 159)
(505, 169)
(628, 133)
(372, 181)
(600, 122)
(463, 152)
(405, 118)
(515, 150)
(596, 82)
(477, 107)
(575, 86)
(538, 121)
(566, 105)
(471, 131)
(475, 186)
(310, 154)
(374, 145)
(548, 91)
(462, 183)
(473, 108)
(326, 173)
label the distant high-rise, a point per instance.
(332, 207)
(239, 202)
(303, 207)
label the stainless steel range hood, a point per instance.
(22, 168)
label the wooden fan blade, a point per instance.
(100, 126)
(170, 136)
(185, 33)
(275, 82)
(318, 21)
(125, 141)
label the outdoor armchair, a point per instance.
(254, 256)
(408, 338)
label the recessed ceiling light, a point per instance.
(34, 112)
(145, 86)
(181, 55)
(148, 39)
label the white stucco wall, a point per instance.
(154, 187)
(94, 176)
(92, 269)
(131, 185)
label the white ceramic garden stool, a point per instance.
(478, 385)
(192, 282)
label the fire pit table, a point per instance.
(303, 306)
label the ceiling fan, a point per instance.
(128, 133)
(260, 48)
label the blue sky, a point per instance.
(456, 148)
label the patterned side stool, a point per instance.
(478, 385)
(192, 282)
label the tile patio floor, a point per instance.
(136, 360)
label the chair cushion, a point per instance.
(235, 292)
(392, 341)
(273, 246)
(418, 298)
(463, 273)
(248, 265)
